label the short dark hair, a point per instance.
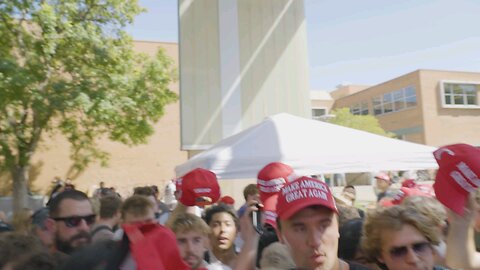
(145, 191)
(250, 189)
(73, 194)
(39, 217)
(349, 186)
(109, 206)
(349, 241)
(220, 208)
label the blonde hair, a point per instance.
(276, 256)
(429, 207)
(393, 219)
(187, 222)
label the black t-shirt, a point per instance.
(356, 266)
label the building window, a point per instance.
(359, 109)
(317, 113)
(460, 94)
(395, 101)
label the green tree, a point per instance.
(68, 66)
(369, 123)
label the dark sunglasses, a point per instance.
(74, 221)
(419, 249)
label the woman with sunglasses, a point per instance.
(400, 237)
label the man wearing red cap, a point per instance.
(308, 225)
(383, 184)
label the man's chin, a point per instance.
(194, 263)
(80, 242)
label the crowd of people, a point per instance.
(288, 221)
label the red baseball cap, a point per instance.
(198, 187)
(457, 175)
(301, 193)
(383, 176)
(270, 179)
(227, 200)
(153, 246)
(406, 192)
(409, 183)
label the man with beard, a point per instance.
(192, 239)
(72, 216)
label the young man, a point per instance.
(250, 192)
(308, 225)
(109, 218)
(138, 209)
(150, 245)
(400, 237)
(224, 225)
(383, 183)
(192, 239)
(72, 215)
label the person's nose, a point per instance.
(83, 226)
(314, 238)
(189, 246)
(411, 257)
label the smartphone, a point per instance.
(257, 220)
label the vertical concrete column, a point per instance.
(240, 61)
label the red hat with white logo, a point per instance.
(198, 187)
(301, 193)
(457, 176)
(270, 180)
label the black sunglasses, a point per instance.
(419, 249)
(74, 221)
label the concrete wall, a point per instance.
(241, 60)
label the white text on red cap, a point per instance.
(202, 190)
(304, 189)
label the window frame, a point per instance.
(392, 102)
(452, 95)
(319, 117)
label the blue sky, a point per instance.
(364, 42)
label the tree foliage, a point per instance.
(368, 123)
(68, 66)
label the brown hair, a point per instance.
(136, 205)
(109, 206)
(145, 191)
(250, 189)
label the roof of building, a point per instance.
(320, 95)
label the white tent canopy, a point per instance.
(310, 147)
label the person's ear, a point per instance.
(50, 225)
